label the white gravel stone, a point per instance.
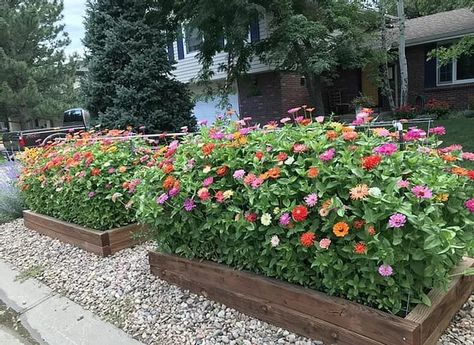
(121, 290)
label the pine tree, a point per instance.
(129, 79)
(36, 81)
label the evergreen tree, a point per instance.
(129, 79)
(36, 81)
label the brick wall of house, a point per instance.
(294, 92)
(459, 96)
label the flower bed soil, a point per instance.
(314, 314)
(103, 243)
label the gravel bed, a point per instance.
(121, 290)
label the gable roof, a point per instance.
(439, 26)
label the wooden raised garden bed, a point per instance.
(103, 243)
(313, 314)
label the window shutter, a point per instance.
(430, 67)
(171, 52)
(180, 45)
(255, 30)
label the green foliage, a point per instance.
(129, 75)
(418, 8)
(86, 182)
(437, 233)
(462, 48)
(36, 81)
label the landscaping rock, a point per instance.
(121, 290)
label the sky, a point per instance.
(74, 12)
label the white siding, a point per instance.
(189, 67)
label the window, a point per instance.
(458, 71)
(193, 39)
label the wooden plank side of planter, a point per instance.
(444, 305)
(67, 229)
(121, 238)
(349, 323)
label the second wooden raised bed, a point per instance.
(314, 314)
(102, 243)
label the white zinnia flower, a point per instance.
(375, 192)
(275, 241)
(266, 219)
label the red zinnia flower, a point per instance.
(360, 248)
(167, 168)
(371, 231)
(370, 162)
(95, 172)
(299, 213)
(307, 239)
(251, 217)
(470, 174)
(259, 155)
(358, 224)
(221, 171)
(282, 156)
(208, 148)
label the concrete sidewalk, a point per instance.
(51, 319)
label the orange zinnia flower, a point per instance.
(307, 239)
(207, 149)
(167, 168)
(360, 248)
(95, 172)
(340, 229)
(122, 169)
(169, 182)
(459, 171)
(359, 192)
(274, 173)
(263, 176)
(221, 171)
(313, 172)
(331, 135)
(449, 158)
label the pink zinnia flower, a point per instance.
(325, 243)
(249, 178)
(327, 155)
(245, 131)
(451, 148)
(468, 156)
(239, 174)
(220, 197)
(91, 194)
(162, 198)
(285, 120)
(470, 205)
(385, 270)
(397, 220)
(320, 119)
(173, 191)
(415, 134)
(438, 130)
(422, 192)
(300, 148)
(203, 194)
(311, 200)
(189, 204)
(208, 181)
(257, 183)
(386, 149)
(111, 170)
(294, 110)
(403, 184)
(285, 219)
(217, 135)
(202, 123)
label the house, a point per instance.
(266, 94)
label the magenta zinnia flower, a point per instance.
(239, 174)
(397, 220)
(327, 155)
(208, 181)
(189, 205)
(385, 270)
(386, 149)
(257, 183)
(415, 134)
(162, 198)
(470, 205)
(438, 130)
(173, 191)
(285, 219)
(311, 200)
(422, 192)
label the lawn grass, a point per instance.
(459, 131)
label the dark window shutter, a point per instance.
(171, 52)
(220, 42)
(180, 46)
(255, 30)
(430, 67)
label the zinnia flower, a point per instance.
(360, 248)
(385, 270)
(208, 148)
(386, 149)
(414, 134)
(438, 130)
(207, 169)
(275, 241)
(313, 172)
(327, 155)
(307, 239)
(319, 119)
(371, 162)
(371, 230)
(221, 171)
(350, 135)
(359, 223)
(285, 219)
(203, 194)
(381, 132)
(174, 191)
(257, 182)
(311, 200)
(266, 219)
(468, 156)
(300, 148)
(162, 198)
(259, 155)
(219, 197)
(359, 192)
(470, 205)
(340, 229)
(228, 194)
(249, 179)
(208, 181)
(189, 204)
(285, 120)
(239, 174)
(250, 217)
(403, 184)
(324, 243)
(397, 220)
(294, 110)
(375, 192)
(282, 156)
(91, 194)
(422, 192)
(299, 213)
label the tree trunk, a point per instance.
(402, 55)
(386, 88)
(315, 86)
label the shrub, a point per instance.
(11, 203)
(317, 205)
(85, 181)
(407, 112)
(438, 108)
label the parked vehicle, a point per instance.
(74, 120)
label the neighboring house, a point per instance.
(263, 94)
(266, 94)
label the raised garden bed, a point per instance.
(102, 243)
(311, 313)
